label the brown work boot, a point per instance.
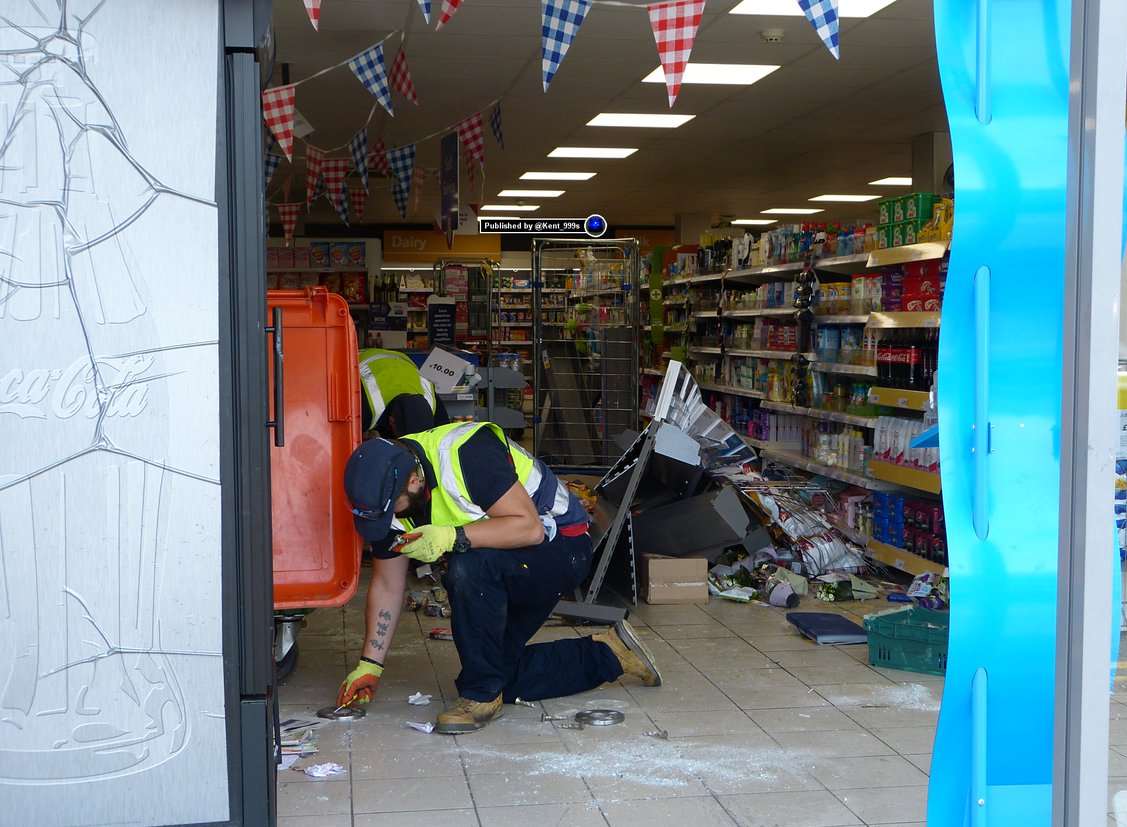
(465, 715)
(632, 654)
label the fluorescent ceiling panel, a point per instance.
(592, 152)
(640, 120)
(892, 182)
(792, 211)
(790, 8)
(755, 222)
(513, 207)
(557, 176)
(721, 74)
(845, 199)
(530, 193)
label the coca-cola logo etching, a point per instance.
(76, 390)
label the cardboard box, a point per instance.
(674, 579)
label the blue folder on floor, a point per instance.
(827, 628)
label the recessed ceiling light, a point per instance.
(755, 222)
(513, 207)
(639, 119)
(557, 176)
(789, 8)
(725, 74)
(592, 152)
(530, 193)
(845, 199)
(792, 211)
(892, 182)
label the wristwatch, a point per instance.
(461, 541)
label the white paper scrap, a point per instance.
(324, 770)
(419, 699)
(421, 726)
(289, 760)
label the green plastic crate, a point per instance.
(914, 640)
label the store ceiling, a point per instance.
(815, 126)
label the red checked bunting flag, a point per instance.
(377, 159)
(313, 9)
(357, 200)
(314, 158)
(289, 213)
(334, 170)
(401, 78)
(675, 27)
(448, 9)
(277, 112)
(472, 136)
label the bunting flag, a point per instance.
(369, 68)
(448, 9)
(377, 159)
(560, 22)
(359, 148)
(340, 203)
(675, 25)
(495, 125)
(401, 160)
(319, 189)
(472, 135)
(400, 195)
(289, 213)
(401, 78)
(425, 6)
(822, 15)
(357, 201)
(277, 112)
(314, 158)
(334, 170)
(313, 9)
(271, 167)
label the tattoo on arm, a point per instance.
(381, 629)
(377, 645)
(384, 614)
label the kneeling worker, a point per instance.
(518, 541)
(396, 399)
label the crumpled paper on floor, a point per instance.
(329, 768)
(419, 699)
(421, 726)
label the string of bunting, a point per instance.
(674, 24)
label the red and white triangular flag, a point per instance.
(289, 213)
(314, 158)
(400, 78)
(675, 25)
(377, 158)
(313, 9)
(334, 170)
(277, 112)
(357, 201)
(448, 9)
(472, 135)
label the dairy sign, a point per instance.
(120, 387)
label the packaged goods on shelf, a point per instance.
(892, 437)
(911, 219)
(795, 242)
(914, 524)
(908, 358)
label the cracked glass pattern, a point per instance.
(111, 661)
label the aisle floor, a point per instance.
(764, 729)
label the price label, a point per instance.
(443, 369)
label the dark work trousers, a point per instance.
(499, 599)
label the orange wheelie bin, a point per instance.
(316, 548)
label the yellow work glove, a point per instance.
(360, 685)
(427, 542)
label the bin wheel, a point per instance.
(288, 662)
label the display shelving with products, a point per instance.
(874, 336)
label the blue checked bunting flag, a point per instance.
(560, 22)
(272, 162)
(822, 15)
(495, 125)
(369, 67)
(401, 159)
(425, 6)
(400, 194)
(359, 147)
(340, 203)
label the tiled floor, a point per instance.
(765, 730)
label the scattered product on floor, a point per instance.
(828, 628)
(295, 724)
(674, 579)
(441, 633)
(326, 770)
(298, 746)
(421, 726)
(419, 699)
(341, 713)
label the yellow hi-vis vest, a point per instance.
(450, 502)
(386, 374)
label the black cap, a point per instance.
(375, 476)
